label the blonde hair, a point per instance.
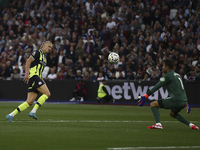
(45, 43)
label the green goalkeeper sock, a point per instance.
(39, 103)
(182, 119)
(156, 113)
(20, 108)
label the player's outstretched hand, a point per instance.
(141, 100)
(188, 109)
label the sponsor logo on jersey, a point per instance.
(43, 63)
(34, 53)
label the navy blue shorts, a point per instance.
(34, 83)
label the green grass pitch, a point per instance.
(95, 127)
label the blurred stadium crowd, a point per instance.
(142, 32)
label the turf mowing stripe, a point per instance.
(47, 121)
(168, 147)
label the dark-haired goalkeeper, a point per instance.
(176, 100)
(33, 77)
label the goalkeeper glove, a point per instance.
(142, 99)
(188, 109)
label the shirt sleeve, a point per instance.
(163, 81)
(35, 55)
(105, 90)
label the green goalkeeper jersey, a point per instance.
(174, 86)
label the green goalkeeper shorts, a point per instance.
(171, 103)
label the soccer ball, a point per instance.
(113, 58)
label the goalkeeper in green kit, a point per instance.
(176, 100)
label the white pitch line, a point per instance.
(87, 121)
(168, 147)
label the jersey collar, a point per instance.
(41, 51)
